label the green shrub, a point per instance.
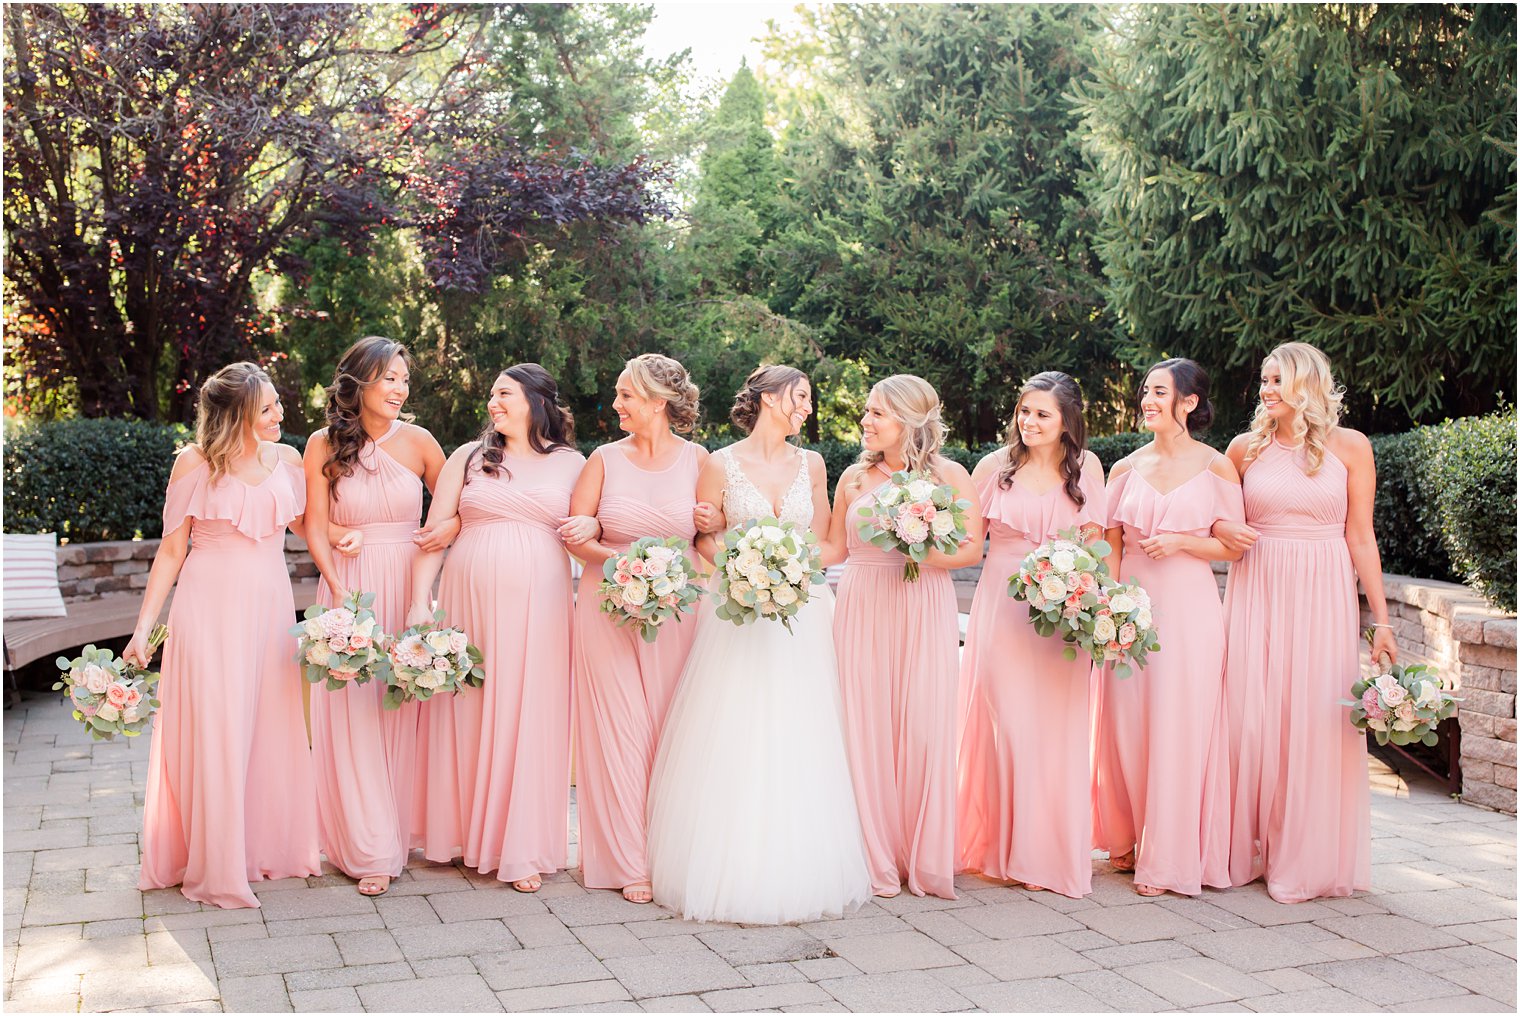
(1403, 511)
(1472, 478)
(1110, 448)
(89, 480)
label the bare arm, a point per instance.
(1353, 449)
(710, 483)
(1114, 535)
(582, 540)
(167, 561)
(445, 508)
(1205, 548)
(1236, 535)
(318, 492)
(970, 550)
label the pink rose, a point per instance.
(636, 569)
(669, 600)
(87, 710)
(1127, 634)
(1070, 612)
(1405, 711)
(441, 663)
(928, 513)
(338, 643)
(133, 697)
(1074, 600)
(359, 641)
(1114, 647)
(1085, 581)
(457, 642)
(344, 675)
(116, 695)
(622, 578)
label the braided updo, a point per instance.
(659, 377)
(761, 381)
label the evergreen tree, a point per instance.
(1342, 175)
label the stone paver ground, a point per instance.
(1437, 933)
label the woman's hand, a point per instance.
(418, 613)
(438, 536)
(1164, 545)
(1236, 536)
(706, 517)
(1384, 644)
(138, 652)
(577, 529)
(351, 543)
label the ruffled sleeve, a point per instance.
(256, 512)
(1094, 508)
(1229, 500)
(1113, 496)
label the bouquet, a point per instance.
(341, 645)
(430, 658)
(913, 516)
(1403, 705)
(1071, 594)
(109, 695)
(765, 569)
(649, 584)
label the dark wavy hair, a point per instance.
(761, 381)
(553, 426)
(361, 365)
(1187, 379)
(1068, 398)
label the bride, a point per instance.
(752, 816)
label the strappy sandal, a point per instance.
(531, 884)
(639, 892)
(1034, 888)
(1124, 863)
(374, 885)
(1142, 889)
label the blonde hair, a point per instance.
(659, 377)
(227, 403)
(914, 401)
(1309, 389)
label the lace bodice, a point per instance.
(743, 501)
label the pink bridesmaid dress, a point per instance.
(498, 757)
(1161, 765)
(1301, 808)
(897, 643)
(230, 795)
(623, 684)
(1024, 805)
(365, 754)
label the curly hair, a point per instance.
(1309, 389)
(761, 381)
(913, 401)
(659, 377)
(361, 365)
(553, 426)
(1064, 389)
(226, 405)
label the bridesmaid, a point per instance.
(1024, 799)
(230, 796)
(366, 470)
(497, 759)
(898, 643)
(643, 485)
(1161, 768)
(1301, 809)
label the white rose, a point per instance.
(108, 712)
(655, 568)
(759, 578)
(762, 595)
(438, 642)
(943, 524)
(131, 714)
(1428, 695)
(784, 596)
(1143, 618)
(1103, 629)
(365, 627)
(314, 629)
(738, 590)
(750, 559)
(772, 534)
(96, 679)
(319, 654)
(1122, 603)
(662, 586)
(635, 592)
(1053, 588)
(429, 679)
(1063, 561)
(793, 571)
(920, 490)
(678, 582)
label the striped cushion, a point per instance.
(31, 576)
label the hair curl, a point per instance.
(659, 377)
(553, 427)
(914, 402)
(1309, 389)
(761, 381)
(1068, 395)
(361, 365)
(225, 406)
(1188, 378)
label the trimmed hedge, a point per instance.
(89, 480)
(1403, 511)
(1472, 479)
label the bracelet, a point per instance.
(1388, 626)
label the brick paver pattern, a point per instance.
(1437, 933)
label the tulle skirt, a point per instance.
(752, 815)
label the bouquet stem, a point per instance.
(910, 571)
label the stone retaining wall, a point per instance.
(86, 570)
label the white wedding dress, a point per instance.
(752, 815)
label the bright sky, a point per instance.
(719, 34)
